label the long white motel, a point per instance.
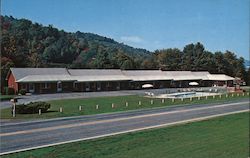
(53, 80)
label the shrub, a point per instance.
(32, 107)
(22, 91)
(9, 91)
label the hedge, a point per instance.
(22, 91)
(32, 108)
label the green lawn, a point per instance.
(71, 106)
(6, 97)
(223, 137)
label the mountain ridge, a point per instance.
(30, 44)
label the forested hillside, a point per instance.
(28, 44)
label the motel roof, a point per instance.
(88, 75)
(20, 73)
(146, 75)
(46, 78)
(219, 77)
(187, 75)
(92, 75)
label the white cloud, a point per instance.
(132, 39)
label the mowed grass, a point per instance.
(70, 107)
(6, 97)
(222, 137)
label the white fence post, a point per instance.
(113, 105)
(163, 100)
(14, 110)
(61, 109)
(139, 103)
(39, 112)
(126, 104)
(152, 102)
(190, 98)
(213, 96)
(206, 97)
(199, 98)
(97, 106)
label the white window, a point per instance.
(59, 86)
(74, 84)
(46, 85)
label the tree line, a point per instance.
(28, 44)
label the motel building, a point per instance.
(56, 80)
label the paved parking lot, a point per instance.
(56, 96)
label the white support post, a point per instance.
(182, 99)
(39, 111)
(238, 94)
(61, 109)
(190, 98)
(97, 107)
(247, 93)
(152, 102)
(113, 105)
(243, 94)
(163, 100)
(199, 98)
(226, 95)
(232, 95)
(220, 96)
(172, 100)
(80, 108)
(213, 96)
(139, 103)
(206, 97)
(126, 104)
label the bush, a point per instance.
(22, 91)
(32, 107)
(9, 91)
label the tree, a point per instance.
(230, 63)
(220, 62)
(247, 77)
(6, 64)
(169, 59)
(123, 61)
(102, 61)
(150, 63)
(187, 58)
(240, 68)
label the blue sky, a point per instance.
(150, 24)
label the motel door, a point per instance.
(31, 87)
(98, 86)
